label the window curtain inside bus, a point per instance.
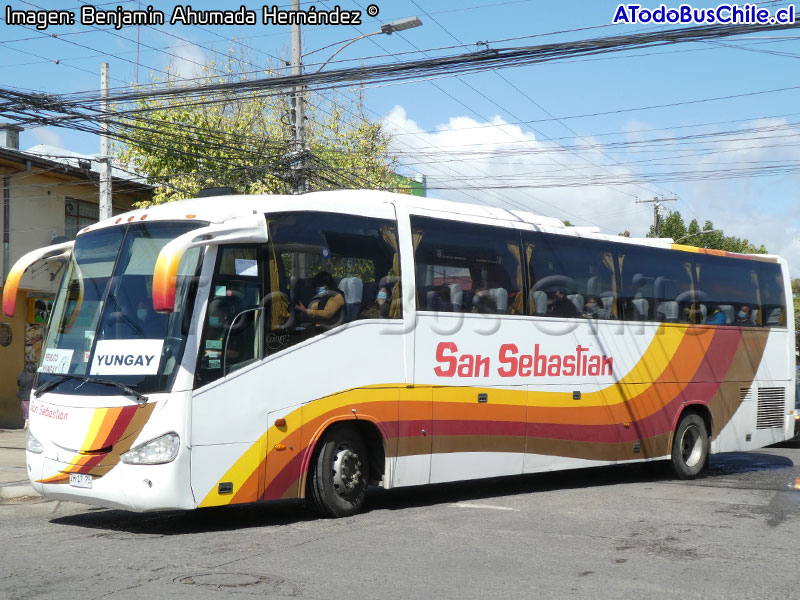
(518, 306)
(608, 262)
(416, 238)
(696, 315)
(396, 306)
(759, 320)
(279, 305)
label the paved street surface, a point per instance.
(620, 532)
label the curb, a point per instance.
(16, 491)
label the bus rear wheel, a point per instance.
(339, 477)
(690, 447)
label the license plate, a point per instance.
(80, 480)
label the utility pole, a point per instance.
(656, 207)
(298, 164)
(105, 158)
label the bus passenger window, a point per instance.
(467, 268)
(325, 270)
(724, 286)
(770, 283)
(572, 277)
(657, 285)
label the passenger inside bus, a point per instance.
(561, 306)
(717, 317)
(383, 299)
(744, 316)
(483, 302)
(439, 299)
(128, 315)
(326, 307)
(594, 309)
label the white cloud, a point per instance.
(500, 164)
(464, 160)
(188, 61)
(47, 136)
(765, 210)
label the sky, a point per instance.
(714, 124)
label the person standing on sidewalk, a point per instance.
(25, 384)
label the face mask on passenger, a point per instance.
(321, 289)
(141, 313)
(213, 321)
(742, 314)
(382, 295)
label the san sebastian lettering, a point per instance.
(513, 363)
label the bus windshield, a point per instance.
(103, 325)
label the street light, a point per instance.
(298, 159)
(387, 28)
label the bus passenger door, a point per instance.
(228, 402)
(412, 465)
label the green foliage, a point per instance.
(674, 227)
(185, 143)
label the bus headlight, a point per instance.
(33, 445)
(161, 450)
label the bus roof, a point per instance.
(380, 204)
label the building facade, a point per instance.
(47, 195)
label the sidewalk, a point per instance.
(14, 482)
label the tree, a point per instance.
(674, 227)
(184, 143)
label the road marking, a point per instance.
(489, 506)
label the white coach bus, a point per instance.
(233, 349)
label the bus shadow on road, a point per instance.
(204, 520)
(110, 522)
(722, 465)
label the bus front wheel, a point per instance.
(690, 447)
(339, 476)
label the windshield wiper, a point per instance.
(49, 385)
(141, 399)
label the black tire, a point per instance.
(339, 476)
(690, 447)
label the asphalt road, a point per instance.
(619, 532)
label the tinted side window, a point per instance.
(727, 290)
(325, 270)
(773, 301)
(656, 285)
(461, 267)
(572, 277)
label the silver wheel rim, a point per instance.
(691, 446)
(346, 470)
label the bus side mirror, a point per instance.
(246, 229)
(54, 252)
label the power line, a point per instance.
(458, 64)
